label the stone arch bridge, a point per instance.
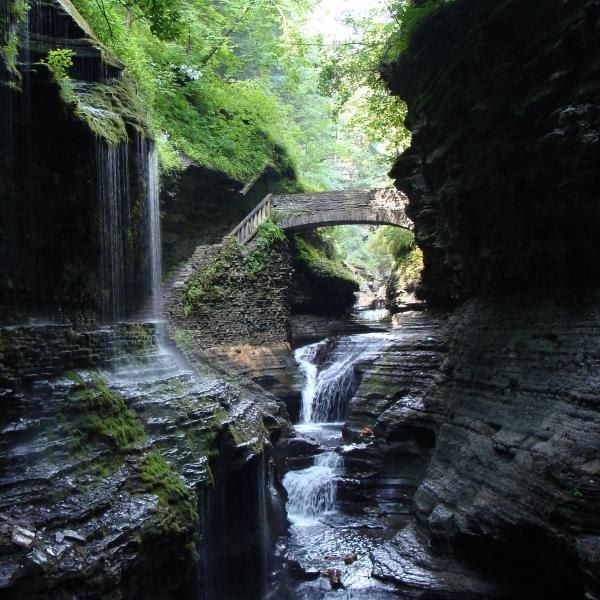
(295, 212)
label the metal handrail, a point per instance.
(248, 227)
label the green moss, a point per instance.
(214, 281)
(107, 416)
(318, 263)
(183, 339)
(110, 110)
(268, 239)
(208, 285)
(202, 442)
(140, 338)
(178, 503)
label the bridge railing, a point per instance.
(247, 229)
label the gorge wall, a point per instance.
(122, 467)
(504, 108)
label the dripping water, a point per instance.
(112, 189)
(152, 284)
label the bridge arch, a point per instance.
(295, 212)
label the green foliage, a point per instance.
(183, 339)
(205, 72)
(164, 17)
(268, 238)
(106, 414)
(60, 61)
(9, 51)
(377, 252)
(391, 241)
(369, 116)
(318, 259)
(407, 271)
(177, 501)
(12, 16)
(409, 15)
(19, 9)
(235, 86)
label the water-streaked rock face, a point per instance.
(504, 108)
(123, 469)
(77, 173)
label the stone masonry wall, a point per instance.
(28, 353)
(251, 310)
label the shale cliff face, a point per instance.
(504, 108)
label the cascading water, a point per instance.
(312, 491)
(153, 228)
(327, 389)
(321, 534)
(112, 188)
(128, 192)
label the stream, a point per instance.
(326, 538)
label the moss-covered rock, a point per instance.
(178, 503)
(106, 415)
(321, 284)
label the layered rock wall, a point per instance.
(503, 407)
(504, 109)
(502, 174)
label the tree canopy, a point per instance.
(238, 84)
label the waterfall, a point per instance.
(130, 250)
(305, 357)
(312, 491)
(330, 382)
(153, 285)
(327, 390)
(113, 192)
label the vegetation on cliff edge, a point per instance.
(229, 265)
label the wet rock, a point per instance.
(511, 484)
(407, 562)
(296, 570)
(69, 534)
(23, 538)
(98, 523)
(335, 578)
